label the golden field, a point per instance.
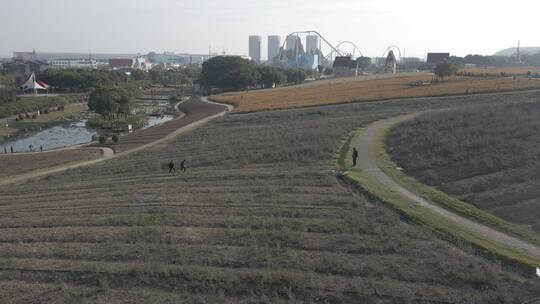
(511, 71)
(332, 91)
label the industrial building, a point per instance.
(345, 66)
(255, 48)
(120, 63)
(274, 44)
(74, 63)
(45, 57)
(436, 58)
(24, 67)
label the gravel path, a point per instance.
(367, 160)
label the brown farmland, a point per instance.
(510, 71)
(331, 92)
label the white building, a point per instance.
(255, 48)
(70, 63)
(312, 43)
(274, 44)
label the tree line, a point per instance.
(236, 73)
(81, 80)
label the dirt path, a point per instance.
(367, 160)
(197, 112)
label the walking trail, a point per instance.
(196, 112)
(367, 161)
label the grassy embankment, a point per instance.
(258, 217)
(18, 164)
(486, 156)
(34, 103)
(332, 91)
(428, 218)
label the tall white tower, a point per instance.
(312, 43)
(274, 43)
(291, 43)
(255, 48)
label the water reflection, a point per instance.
(157, 120)
(54, 137)
(71, 134)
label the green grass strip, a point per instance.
(440, 225)
(385, 163)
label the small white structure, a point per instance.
(34, 85)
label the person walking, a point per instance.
(171, 167)
(183, 166)
(41, 148)
(354, 156)
(30, 148)
(11, 149)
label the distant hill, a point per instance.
(524, 50)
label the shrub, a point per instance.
(102, 139)
(115, 138)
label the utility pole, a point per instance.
(519, 52)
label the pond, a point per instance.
(55, 137)
(66, 135)
(157, 120)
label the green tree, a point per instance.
(295, 75)
(229, 72)
(443, 70)
(8, 89)
(111, 101)
(363, 62)
(81, 80)
(270, 76)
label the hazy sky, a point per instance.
(416, 26)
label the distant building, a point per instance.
(255, 48)
(24, 67)
(167, 59)
(293, 43)
(312, 43)
(120, 63)
(45, 57)
(378, 61)
(344, 66)
(142, 63)
(73, 63)
(274, 44)
(436, 58)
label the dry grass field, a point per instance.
(367, 90)
(487, 156)
(509, 71)
(258, 218)
(17, 164)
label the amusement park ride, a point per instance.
(293, 54)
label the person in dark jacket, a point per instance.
(183, 165)
(354, 156)
(171, 167)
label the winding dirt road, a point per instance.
(366, 146)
